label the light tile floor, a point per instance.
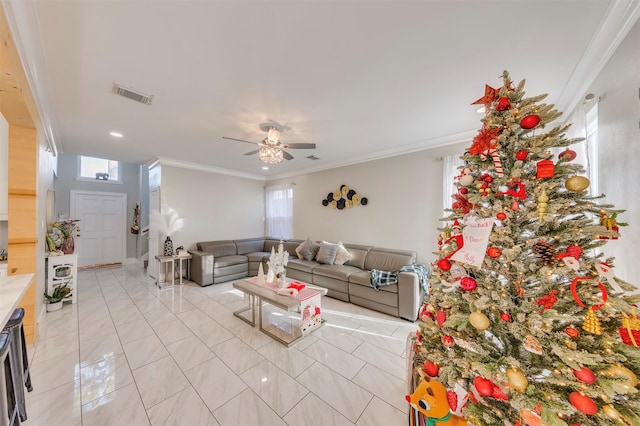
(130, 354)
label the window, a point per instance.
(279, 211)
(591, 136)
(450, 169)
(98, 169)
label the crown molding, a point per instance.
(619, 19)
(387, 153)
(163, 161)
(24, 27)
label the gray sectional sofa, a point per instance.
(214, 262)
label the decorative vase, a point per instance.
(68, 245)
(168, 247)
(55, 306)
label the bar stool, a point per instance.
(8, 409)
(18, 359)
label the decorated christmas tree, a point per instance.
(527, 323)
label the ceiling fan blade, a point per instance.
(299, 145)
(286, 155)
(239, 140)
(252, 152)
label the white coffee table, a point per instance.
(298, 316)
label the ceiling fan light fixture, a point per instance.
(270, 155)
(273, 136)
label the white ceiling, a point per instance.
(361, 79)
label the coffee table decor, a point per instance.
(277, 263)
(300, 302)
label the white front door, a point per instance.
(102, 226)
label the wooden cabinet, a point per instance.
(22, 225)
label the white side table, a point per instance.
(163, 260)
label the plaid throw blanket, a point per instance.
(381, 278)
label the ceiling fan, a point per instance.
(271, 149)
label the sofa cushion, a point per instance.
(342, 255)
(388, 259)
(307, 250)
(339, 272)
(358, 255)
(290, 246)
(327, 253)
(222, 261)
(258, 256)
(218, 248)
(271, 243)
(363, 278)
(302, 265)
(249, 245)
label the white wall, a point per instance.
(618, 87)
(214, 206)
(46, 165)
(405, 202)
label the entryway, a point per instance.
(102, 226)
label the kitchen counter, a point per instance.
(11, 291)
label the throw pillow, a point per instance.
(343, 255)
(327, 253)
(307, 250)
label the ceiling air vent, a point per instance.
(312, 157)
(132, 94)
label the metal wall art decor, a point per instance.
(344, 197)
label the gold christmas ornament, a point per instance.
(333, 204)
(591, 323)
(345, 190)
(622, 387)
(577, 183)
(542, 204)
(337, 194)
(479, 320)
(356, 199)
(517, 380)
(611, 412)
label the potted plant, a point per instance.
(54, 301)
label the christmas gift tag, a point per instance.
(476, 239)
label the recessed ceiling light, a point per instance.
(265, 168)
(116, 134)
(481, 110)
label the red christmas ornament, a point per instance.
(444, 264)
(494, 252)
(463, 191)
(483, 386)
(572, 332)
(505, 317)
(546, 169)
(574, 251)
(548, 300)
(452, 399)
(498, 393)
(569, 154)
(424, 312)
(501, 216)
(490, 95)
(468, 284)
(530, 121)
(522, 155)
(431, 369)
(503, 104)
(585, 375)
(574, 292)
(441, 317)
(583, 403)
(448, 341)
(515, 206)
